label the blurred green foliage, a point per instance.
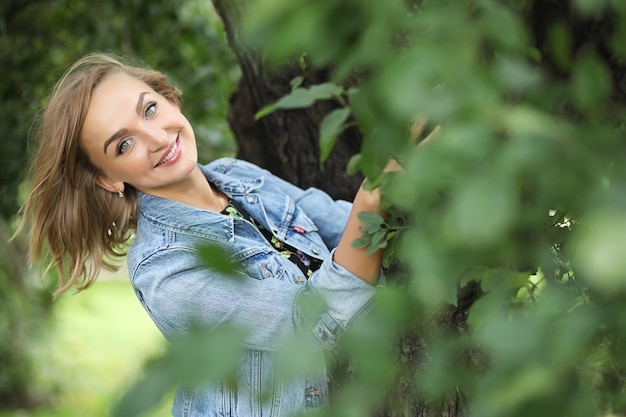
(38, 40)
(87, 356)
(521, 194)
(21, 312)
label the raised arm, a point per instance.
(356, 260)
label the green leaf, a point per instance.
(373, 221)
(297, 99)
(354, 164)
(146, 392)
(330, 128)
(379, 241)
(362, 242)
(590, 7)
(361, 105)
(217, 258)
(476, 273)
(296, 82)
(302, 61)
(325, 90)
(300, 98)
(389, 256)
(270, 108)
(492, 279)
(591, 82)
(391, 235)
(482, 309)
(560, 44)
(599, 249)
(502, 278)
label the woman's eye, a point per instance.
(123, 146)
(150, 110)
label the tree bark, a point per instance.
(286, 141)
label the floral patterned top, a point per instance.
(306, 263)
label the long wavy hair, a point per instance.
(75, 225)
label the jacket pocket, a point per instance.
(263, 266)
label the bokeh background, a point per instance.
(71, 357)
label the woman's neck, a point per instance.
(198, 192)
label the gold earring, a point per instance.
(120, 193)
(109, 231)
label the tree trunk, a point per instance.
(286, 141)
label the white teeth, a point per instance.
(170, 154)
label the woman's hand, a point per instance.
(416, 130)
(357, 260)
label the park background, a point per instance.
(75, 356)
(507, 277)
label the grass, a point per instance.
(95, 347)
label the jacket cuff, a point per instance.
(347, 298)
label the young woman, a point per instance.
(116, 159)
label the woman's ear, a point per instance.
(109, 184)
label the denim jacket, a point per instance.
(179, 292)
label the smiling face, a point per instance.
(134, 135)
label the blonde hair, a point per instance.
(75, 225)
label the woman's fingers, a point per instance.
(416, 128)
(431, 136)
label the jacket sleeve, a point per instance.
(180, 293)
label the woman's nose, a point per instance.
(156, 138)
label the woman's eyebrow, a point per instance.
(140, 103)
(122, 132)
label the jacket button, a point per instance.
(315, 251)
(250, 199)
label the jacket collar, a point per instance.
(231, 185)
(183, 218)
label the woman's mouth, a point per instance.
(171, 154)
